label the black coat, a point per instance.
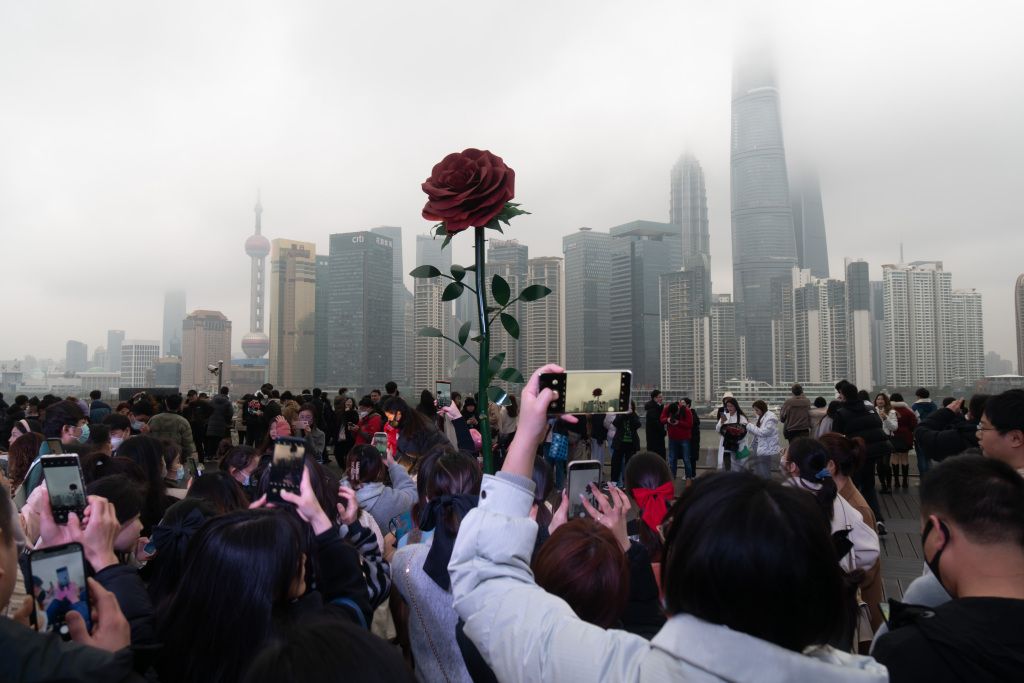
(944, 433)
(855, 418)
(221, 412)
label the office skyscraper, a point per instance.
(809, 224)
(587, 289)
(257, 247)
(967, 338)
(686, 335)
(76, 357)
(114, 340)
(399, 337)
(292, 313)
(359, 313)
(323, 272)
(542, 333)
(174, 314)
(918, 300)
(728, 349)
(206, 340)
(689, 210)
(639, 257)
(137, 357)
(763, 241)
(1018, 298)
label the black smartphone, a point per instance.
(286, 467)
(586, 392)
(56, 582)
(443, 392)
(63, 475)
(582, 473)
(55, 446)
(194, 468)
(380, 442)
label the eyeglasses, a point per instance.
(982, 428)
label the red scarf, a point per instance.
(654, 503)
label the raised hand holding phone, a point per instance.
(533, 423)
(609, 514)
(307, 506)
(348, 505)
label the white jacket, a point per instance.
(526, 634)
(766, 437)
(890, 423)
(866, 548)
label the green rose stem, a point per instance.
(485, 354)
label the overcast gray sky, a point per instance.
(134, 135)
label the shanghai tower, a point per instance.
(763, 240)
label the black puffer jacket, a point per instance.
(944, 433)
(855, 418)
(219, 422)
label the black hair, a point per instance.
(238, 457)
(117, 421)
(833, 408)
(366, 402)
(922, 393)
(99, 434)
(687, 401)
(797, 390)
(220, 490)
(180, 523)
(412, 422)
(391, 388)
(316, 649)
(983, 496)
(896, 396)
(453, 473)
(426, 402)
(655, 394)
(848, 391)
(315, 410)
(976, 406)
(820, 402)
(1006, 411)
(95, 394)
(729, 560)
(126, 495)
(173, 402)
(99, 464)
(512, 407)
(61, 414)
(847, 454)
(811, 458)
(225, 391)
(647, 470)
(148, 453)
(729, 399)
(544, 484)
(238, 573)
(363, 465)
(863, 395)
(947, 400)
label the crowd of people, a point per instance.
(399, 559)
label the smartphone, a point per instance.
(582, 473)
(380, 442)
(56, 582)
(286, 467)
(443, 392)
(883, 607)
(586, 392)
(194, 468)
(400, 525)
(55, 446)
(63, 475)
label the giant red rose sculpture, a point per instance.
(472, 189)
(468, 189)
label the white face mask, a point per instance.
(363, 414)
(115, 442)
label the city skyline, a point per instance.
(107, 155)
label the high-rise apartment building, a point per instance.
(360, 303)
(783, 327)
(860, 325)
(917, 324)
(509, 259)
(205, 341)
(763, 239)
(966, 338)
(686, 363)
(640, 255)
(323, 274)
(587, 289)
(114, 340)
(292, 328)
(877, 306)
(542, 327)
(688, 209)
(432, 356)
(822, 337)
(76, 356)
(1018, 298)
(728, 348)
(174, 314)
(400, 371)
(809, 224)
(137, 357)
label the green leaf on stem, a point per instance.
(452, 291)
(470, 269)
(458, 272)
(497, 395)
(479, 338)
(463, 334)
(500, 290)
(425, 272)
(495, 364)
(439, 229)
(430, 332)
(511, 375)
(534, 292)
(460, 360)
(511, 325)
(447, 239)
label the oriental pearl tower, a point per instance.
(256, 344)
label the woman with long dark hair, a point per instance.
(345, 417)
(148, 453)
(732, 425)
(416, 433)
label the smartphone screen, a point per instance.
(56, 582)
(380, 442)
(194, 468)
(286, 467)
(401, 524)
(55, 446)
(586, 392)
(64, 484)
(443, 392)
(581, 474)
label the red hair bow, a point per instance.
(649, 499)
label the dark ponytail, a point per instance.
(848, 454)
(811, 457)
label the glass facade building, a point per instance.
(587, 286)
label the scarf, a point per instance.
(432, 517)
(647, 499)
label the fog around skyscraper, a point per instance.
(134, 139)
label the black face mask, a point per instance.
(933, 564)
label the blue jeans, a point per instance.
(677, 449)
(922, 463)
(558, 466)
